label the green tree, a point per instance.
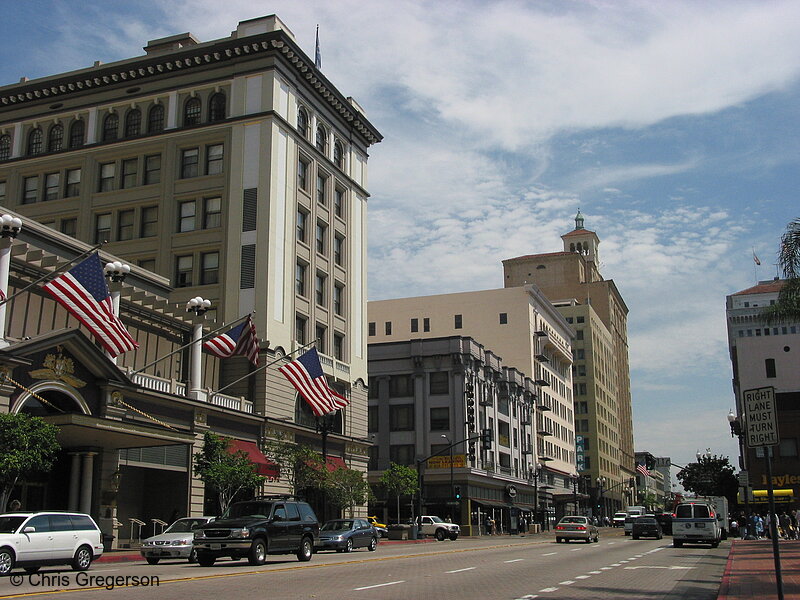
(787, 307)
(399, 480)
(28, 445)
(346, 488)
(710, 476)
(224, 472)
(300, 466)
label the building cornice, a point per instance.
(133, 71)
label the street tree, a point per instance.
(399, 480)
(347, 488)
(300, 466)
(224, 472)
(710, 476)
(28, 446)
(787, 308)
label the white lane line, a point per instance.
(595, 572)
(616, 564)
(671, 568)
(611, 543)
(582, 576)
(461, 570)
(576, 549)
(513, 560)
(369, 587)
(567, 582)
(622, 562)
(545, 590)
(528, 597)
(550, 554)
(605, 568)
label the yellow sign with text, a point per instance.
(443, 462)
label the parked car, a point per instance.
(177, 541)
(576, 528)
(432, 525)
(383, 530)
(646, 526)
(619, 519)
(343, 535)
(665, 520)
(34, 539)
(254, 528)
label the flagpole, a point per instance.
(277, 360)
(51, 273)
(158, 360)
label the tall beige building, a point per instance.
(235, 169)
(571, 279)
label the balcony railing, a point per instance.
(178, 388)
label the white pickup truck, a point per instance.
(434, 526)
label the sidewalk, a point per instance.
(750, 572)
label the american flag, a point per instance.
(242, 340)
(643, 470)
(305, 374)
(83, 291)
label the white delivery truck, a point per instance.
(697, 521)
(632, 512)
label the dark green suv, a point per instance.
(255, 528)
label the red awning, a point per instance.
(264, 466)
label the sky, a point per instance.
(673, 126)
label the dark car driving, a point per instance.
(343, 535)
(646, 527)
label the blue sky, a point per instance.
(673, 126)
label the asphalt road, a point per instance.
(485, 568)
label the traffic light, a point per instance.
(650, 462)
(470, 393)
(457, 492)
(472, 452)
(486, 439)
(632, 482)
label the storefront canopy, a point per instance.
(264, 466)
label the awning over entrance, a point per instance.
(85, 430)
(335, 462)
(490, 503)
(264, 466)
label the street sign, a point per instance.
(744, 479)
(760, 417)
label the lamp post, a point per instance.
(601, 481)
(452, 494)
(737, 431)
(574, 478)
(534, 473)
(199, 306)
(115, 272)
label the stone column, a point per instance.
(86, 482)
(74, 480)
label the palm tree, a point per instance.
(787, 308)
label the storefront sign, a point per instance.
(443, 462)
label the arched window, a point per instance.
(110, 127)
(191, 112)
(302, 122)
(55, 138)
(216, 107)
(35, 142)
(76, 131)
(338, 155)
(133, 123)
(304, 416)
(155, 119)
(322, 139)
(5, 147)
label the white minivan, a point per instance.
(695, 522)
(35, 539)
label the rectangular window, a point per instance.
(30, 190)
(401, 417)
(73, 183)
(107, 173)
(769, 365)
(338, 250)
(320, 333)
(69, 227)
(130, 170)
(52, 183)
(580, 319)
(580, 354)
(148, 264)
(189, 162)
(789, 447)
(2, 191)
(183, 271)
(152, 169)
(338, 346)
(426, 324)
(247, 273)
(457, 322)
(414, 325)
(440, 418)
(300, 279)
(215, 156)
(102, 228)
(300, 329)
(338, 203)
(440, 383)
(212, 212)
(338, 299)
(321, 184)
(401, 386)
(387, 328)
(149, 221)
(371, 328)
(373, 414)
(302, 219)
(579, 334)
(322, 229)
(319, 289)
(402, 454)
(125, 225)
(210, 268)
(503, 318)
(302, 174)
(186, 216)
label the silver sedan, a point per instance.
(576, 528)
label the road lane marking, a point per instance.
(582, 576)
(550, 589)
(611, 543)
(616, 564)
(605, 568)
(567, 582)
(514, 560)
(595, 572)
(528, 597)
(369, 587)
(671, 568)
(461, 570)
(576, 549)
(622, 562)
(550, 554)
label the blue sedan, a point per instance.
(343, 535)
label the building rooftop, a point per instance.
(763, 287)
(527, 256)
